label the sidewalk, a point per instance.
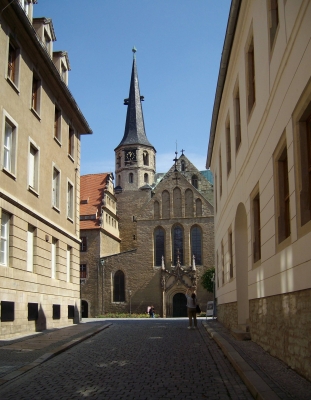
(18, 356)
(265, 376)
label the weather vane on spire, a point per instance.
(134, 51)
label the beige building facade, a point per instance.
(40, 129)
(260, 155)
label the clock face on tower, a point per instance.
(130, 155)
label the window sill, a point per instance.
(56, 209)
(33, 191)
(9, 173)
(35, 113)
(12, 84)
(70, 219)
(58, 141)
(71, 158)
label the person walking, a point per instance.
(151, 312)
(191, 308)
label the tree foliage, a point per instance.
(207, 279)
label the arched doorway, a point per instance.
(84, 309)
(241, 255)
(179, 305)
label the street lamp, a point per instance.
(130, 294)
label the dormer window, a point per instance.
(64, 72)
(47, 42)
(61, 61)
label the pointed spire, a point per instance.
(134, 132)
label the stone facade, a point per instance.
(40, 129)
(259, 153)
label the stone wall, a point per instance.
(281, 325)
(227, 314)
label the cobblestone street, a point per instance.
(135, 359)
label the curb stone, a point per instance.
(47, 356)
(255, 384)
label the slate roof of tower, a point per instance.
(134, 132)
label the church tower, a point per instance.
(135, 155)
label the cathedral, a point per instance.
(165, 221)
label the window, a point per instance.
(165, 204)
(304, 157)
(177, 201)
(53, 258)
(273, 19)
(251, 95)
(83, 244)
(55, 188)
(30, 248)
(159, 246)
(131, 177)
(237, 119)
(68, 264)
(189, 203)
(4, 239)
(9, 147)
(183, 165)
(220, 174)
(83, 271)
(283, 196)
(70, 200)
(13, 62)
(33, 172)
(146, 157)
(228, 143)
(36, 92)
(146, 178)
(256, 229)
(178, 245)
(57, 124)
(47, 41)
(198, 205)
(194, 181)
(64, 73)
(196, 244)
(156, 210)
(71, 137)
(118, 287)
(222, 263)
(230, 253)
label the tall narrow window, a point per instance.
(178, 245)
(283, 191)
(30, 248)
(57, 124)
(198, 205)
(189, 203)
(251, 94)
(273, 19)
(55, 189)
(230, 254)
(256, 229)
(196, 244)
(222, 263)
(159, 246)
(118, 287)
(177, 202)
(146, 178)
(47, 41)
(183, 165)
(156, 210)
(13, 62)
(9, 148)
(194, 181)
(228, 143)
(146, 157)
(36, 90)
(68, 264)
(83, 244)
(131, 177)
(4, 239)
(33, 174)
(70, 200)
(220, 174)
(71, 137)
(53, 258)
(83, 271)
(165, 204)
(237, 119)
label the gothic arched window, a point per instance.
(156, 210)
(189, 203)
(178, 244)
(118, 286)
(196, 244)
(131, 177)
(146, 157)
(194, 181)
(146, 178)
(198, 205)
(165, 204)
(183, 165)
(159, 246)
(119, 180)
(177, 202)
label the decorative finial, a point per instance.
(134, 51)
(182, 152)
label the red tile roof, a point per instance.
(91, 193)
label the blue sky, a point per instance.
(179, 45)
